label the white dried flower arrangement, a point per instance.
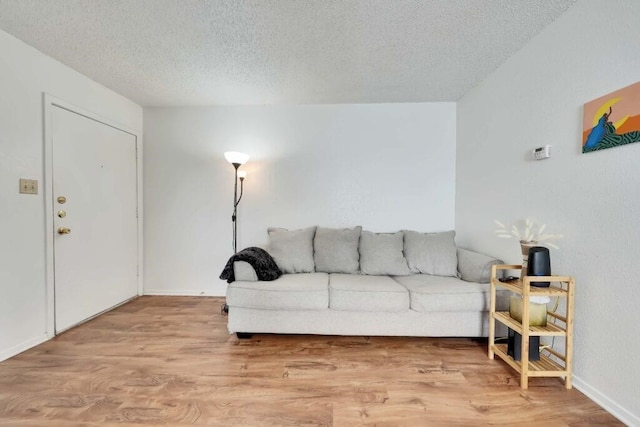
(530, 233)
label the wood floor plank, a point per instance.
(171, 361)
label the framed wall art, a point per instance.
(612, 120)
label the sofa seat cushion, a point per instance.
(352, 292)
(438, 293)
(301, 291)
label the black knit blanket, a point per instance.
(264, 265)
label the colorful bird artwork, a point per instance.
(600, 131)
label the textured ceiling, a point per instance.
(239, 52)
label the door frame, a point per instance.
(51, 102)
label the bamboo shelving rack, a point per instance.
(558, 325)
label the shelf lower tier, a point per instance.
(545, 367)
(550, 330)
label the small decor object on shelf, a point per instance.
(537, 309)
(525, 247)
(514, 346)
(530, 236)
(539, 264)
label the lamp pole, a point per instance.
(236, 159)
(235, 208)
(236, 202)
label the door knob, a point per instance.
(64, 230)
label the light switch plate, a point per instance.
(28, 186)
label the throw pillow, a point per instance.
(476, 267)
(336, 249)
(431, 253)
(292, 250)
(381, 254)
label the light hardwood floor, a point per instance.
(170, 360)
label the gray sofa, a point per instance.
(354, 282)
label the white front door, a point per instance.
(94, 201)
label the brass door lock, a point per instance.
(64, 230)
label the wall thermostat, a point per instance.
(542, 152)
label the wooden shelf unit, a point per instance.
(546, 366)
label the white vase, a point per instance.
(525, 245)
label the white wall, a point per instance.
(536, 98)
(24, 75)
(385, 167)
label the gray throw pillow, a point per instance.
(476, 267)
(336, 250)
(431, 253)
(381, 254)
(292, 250)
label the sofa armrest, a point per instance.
(475, 267)
(243, 271)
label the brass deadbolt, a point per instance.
(62, 200)
(62, 214)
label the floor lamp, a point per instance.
(237, 160)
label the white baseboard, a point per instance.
(180, 293)
(17, 349)
(612, 407)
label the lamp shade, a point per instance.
(242, 174)
(234, 157)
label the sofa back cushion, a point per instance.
(431, 253)
(476, 267)
(336, 250)
(382, 254)
(292, 250)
